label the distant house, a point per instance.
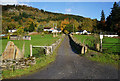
(55, 31)
(12, 31)
(83, 32)
(14, 37)
(51, 30)
(26, 38)
(47, 29)
(2, 35)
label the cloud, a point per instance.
(68, 10)
(12, 2)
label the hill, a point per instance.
(22, 16)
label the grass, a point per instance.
(104, 58)
(42, 60)
(88, 40)
(112, 47)
(35, 40)
(107, 56)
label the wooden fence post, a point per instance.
(30, 50)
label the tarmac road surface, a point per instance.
(69, 65)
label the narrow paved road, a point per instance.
(69, 65)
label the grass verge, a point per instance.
(42, 62)
(105, 57)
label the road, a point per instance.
(69, 65)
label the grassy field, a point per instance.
(108, 56)
(91, 40)
(35, 40)
(110, 46)
(41, 59)
(88, 40)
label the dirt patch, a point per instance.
(116, 37)
(33, 33)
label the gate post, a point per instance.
(30, 50)
(101, 37)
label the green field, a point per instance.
(110, 46)
(41, 59)
(88, 40)
(35, 40)
(91, 40)
(110, 55)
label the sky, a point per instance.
(85, 9)
(88, 8)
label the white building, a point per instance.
(85, 31)
(55, 31)
(12, 31)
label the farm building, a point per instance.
(83, 32)
(51, 30)
(26, 38)
(47, 29)
(12, 31)
(13, 37)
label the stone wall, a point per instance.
(77, 45)
(18, 64)
(54, 45)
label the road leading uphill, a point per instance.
(69, 65)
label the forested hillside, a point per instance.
(24, 17)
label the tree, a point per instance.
(102, 22)
(20, 31)
(40, 28)
(102, 16)
(64, 23)
(87, 24)
(69, 28)
(26, 29)
(31, 27)
(113, 20)
(75, 23)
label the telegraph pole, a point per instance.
(53, 25)
(73, 28)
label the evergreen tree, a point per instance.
(102, 16)
(114, 19)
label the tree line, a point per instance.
(112, 22)
(31, 19)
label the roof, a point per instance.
(13, 35)
(47, 28)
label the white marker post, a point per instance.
(101, 37)
(30, 50)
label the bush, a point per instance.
(46, 32)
